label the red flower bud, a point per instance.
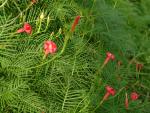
(76, 21)
(126, 102)
(134, 96)
(119, 63)
(50, 47)
(33, 1)
(139, 67)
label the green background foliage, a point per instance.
(71, 80)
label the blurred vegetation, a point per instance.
(71, 81)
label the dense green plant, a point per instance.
(72, 80)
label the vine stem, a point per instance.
(115, 4)
(4, 3)
(101, 102)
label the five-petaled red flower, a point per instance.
(134, 96)
(26, 28)
(49, 47)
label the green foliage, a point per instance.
(71, 80)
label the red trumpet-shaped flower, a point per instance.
(26, 28)
(76, 21)
(49, 47)
(139, 67)
(109, 57)
(134, 96)
(126, 101)
(110, 91)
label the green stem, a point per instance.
(3, 4)
(39, 26)
(48, 21)
(101, 102)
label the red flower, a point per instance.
(76, 21)
(26, 28)
(109, 57)
(110, 91)
(50, 47)
(134, 96)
